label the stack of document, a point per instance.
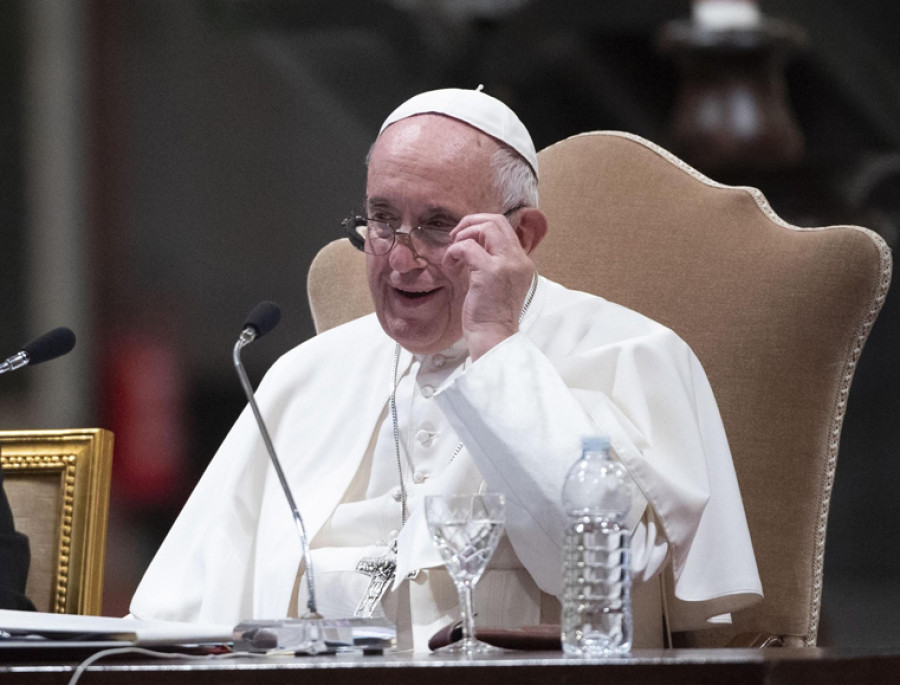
(37, 627)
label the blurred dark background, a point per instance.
(167, 165)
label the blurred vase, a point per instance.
(732, 107)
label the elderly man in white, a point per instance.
(473, 374)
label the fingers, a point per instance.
(467, 253)
(488, 230)
(478, 238)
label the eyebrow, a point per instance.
(432, 211)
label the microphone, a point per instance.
(311, 633)
(50, 345)
(262, 319)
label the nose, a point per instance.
(403, 256)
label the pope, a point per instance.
(474, 374)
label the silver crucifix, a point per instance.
(381, 570)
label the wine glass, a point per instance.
(466, 529)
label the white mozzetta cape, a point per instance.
(579, 366)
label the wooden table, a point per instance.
(647, 667)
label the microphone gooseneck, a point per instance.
(50, 345)
(262, 319)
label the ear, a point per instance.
(531, 227)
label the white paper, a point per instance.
(127, 629)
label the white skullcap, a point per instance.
(475, 108)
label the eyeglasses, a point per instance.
(378, 237)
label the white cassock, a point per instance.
(579, 366)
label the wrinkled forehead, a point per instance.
(437, 135)
(433, 160)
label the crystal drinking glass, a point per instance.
(466, 529)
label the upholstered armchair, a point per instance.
(778, 316)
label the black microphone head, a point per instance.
(51, 345)
(263, 318)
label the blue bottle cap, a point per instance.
(595, 443)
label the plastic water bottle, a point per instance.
(596, 604)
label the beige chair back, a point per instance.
(336, 285)
(57, 482)
(778, 316)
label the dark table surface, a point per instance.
(729, 666)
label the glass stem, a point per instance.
(467, 610)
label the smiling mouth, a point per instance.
(415, 295)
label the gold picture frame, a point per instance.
(57, 483)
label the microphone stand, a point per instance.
(248, 336)
(307, 634)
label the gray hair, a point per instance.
(514, 178)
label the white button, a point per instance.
(421, 476)
(425, 436)
(392, 534)
(397, 494)
(427, 391)
(438, 360)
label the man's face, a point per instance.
(425, 169)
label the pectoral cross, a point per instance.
(381, 570)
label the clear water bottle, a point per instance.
(596, 604)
